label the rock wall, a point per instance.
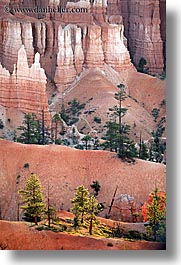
(68, 43)
(25, 88)
(14, 34)
(143, 29)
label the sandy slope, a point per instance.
(66, 168)
(97, 92)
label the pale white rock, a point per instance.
(115, 52)
(78, 52)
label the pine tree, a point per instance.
(92, 210)
(111, 136)
(57, 121)
(158, 147)
(30, 130)
(80, 203)
(117, 134)
(33, 130)
(32, 198)
(143, 150)
(120, 112)
(86, 139)
(63, 114)
(96, 187)
(44, 130)
(50, 211)
(142, 64)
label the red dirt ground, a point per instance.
(66, 168)
(18, 236)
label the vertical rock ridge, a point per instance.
(25, 88)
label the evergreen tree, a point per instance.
(30, 130)
(57, 121)
(63, 114)
(86, 139)
(44, 131)
(143, 150)
(111, 136)
(155, 113)
(80, 203)
(158, 147)
(32, 198)
(33, 130)
(96, 143)
(50, 211)
(117, 134)
(142, 64)
(96, 187)
(92, 210)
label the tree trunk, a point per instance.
(56, 129)
(82, 219)
(90, 227)
(36, 220)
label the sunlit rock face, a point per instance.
(25, 88)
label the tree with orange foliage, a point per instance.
(154, 211)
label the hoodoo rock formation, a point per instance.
(143, 29)
(109, 37)
(94, 54)
(116, 54)
(65, 71)
(91, 46)
(70, 64)
(25, 88)
(142, 21)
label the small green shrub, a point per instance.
(162, 103)
(26, 165)
(155, 113)
(97, 119)
(58, 141)
(135, 235)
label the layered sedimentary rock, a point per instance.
(144, 34)
(65, 71)
(91, 46)
(99, 9)
(39, 36)
(144, 23)
(25, 88)
(143, 30)
(115, 52)
(11, 43)
(14, 35)
(94, 52)
(68, 43)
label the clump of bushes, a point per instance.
(97, 119)
(26, 165)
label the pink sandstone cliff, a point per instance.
(25, 88)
